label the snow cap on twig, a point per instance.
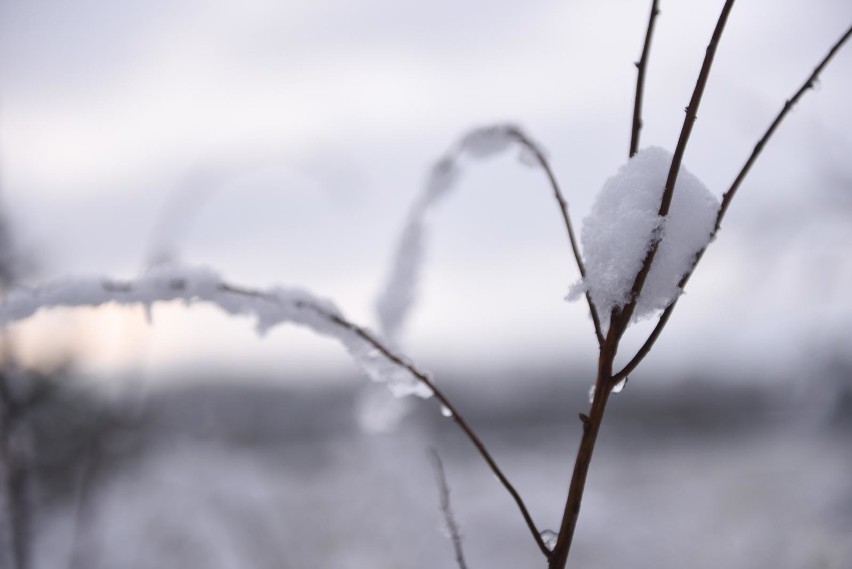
(624, 221)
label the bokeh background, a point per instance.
(283, 143)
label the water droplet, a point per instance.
(592, 394)
(446, 411)
(619, 387)
(549, 538)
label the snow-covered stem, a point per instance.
(398, 294)
(270, 308)
(728, 196)
(446, 508)
(641, 68)
(621, 318)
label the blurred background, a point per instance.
(283, 143)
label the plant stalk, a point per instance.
(591, 426)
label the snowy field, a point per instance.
(229, 478)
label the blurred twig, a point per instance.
(446, 508)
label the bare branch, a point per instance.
(808, 84)
(532, 147)
(449, 408)
(624, 315)
(446, 508)
(642, 66)
(726, 201)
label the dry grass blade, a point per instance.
(446, 508)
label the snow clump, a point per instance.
(618, 233)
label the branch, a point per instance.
(538, 154)
(398, 295)
(453, 413)
(788, 105)
(624, 315)
(728, 196)
(642, 66)
(446, 508)
(270, 308)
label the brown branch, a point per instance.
(808, 84)
(642, 66)
(591, 426)
(621, 318)
(454, 414)
(446, 508)
(728, 196)
(368, 337)
(524, 141)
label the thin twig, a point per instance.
(368, 337)
(624, 315)
(454, 414)
(642, 66)
(808, 84)
(446, 508)
(726, 201)
(525, 141)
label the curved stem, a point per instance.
(454, 414)
(524, 141)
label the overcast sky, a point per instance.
(282, 142)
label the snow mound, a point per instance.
(618, 233)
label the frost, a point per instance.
(618, 233)
(269, 308)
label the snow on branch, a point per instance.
(400, 290)
(625, 222)
(269, 308)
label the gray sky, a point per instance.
(309, 126)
